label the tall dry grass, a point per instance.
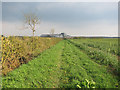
(19, 50)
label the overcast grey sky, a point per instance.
(73, 18)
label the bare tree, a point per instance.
(31, 21)
(52, 31)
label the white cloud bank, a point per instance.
(101, 28)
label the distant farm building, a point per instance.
(61, 35)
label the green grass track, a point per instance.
(61, 66)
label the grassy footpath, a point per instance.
(78, 67)
(43, 71)
(64, 66)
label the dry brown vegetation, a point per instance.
(20, 50)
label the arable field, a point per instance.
(70, 63)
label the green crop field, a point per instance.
(71, 63)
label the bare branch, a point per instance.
(31, 21)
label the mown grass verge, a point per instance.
(78, 67)
(41, 72)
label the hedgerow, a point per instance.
(20, 50)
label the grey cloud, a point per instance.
(69, 16)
